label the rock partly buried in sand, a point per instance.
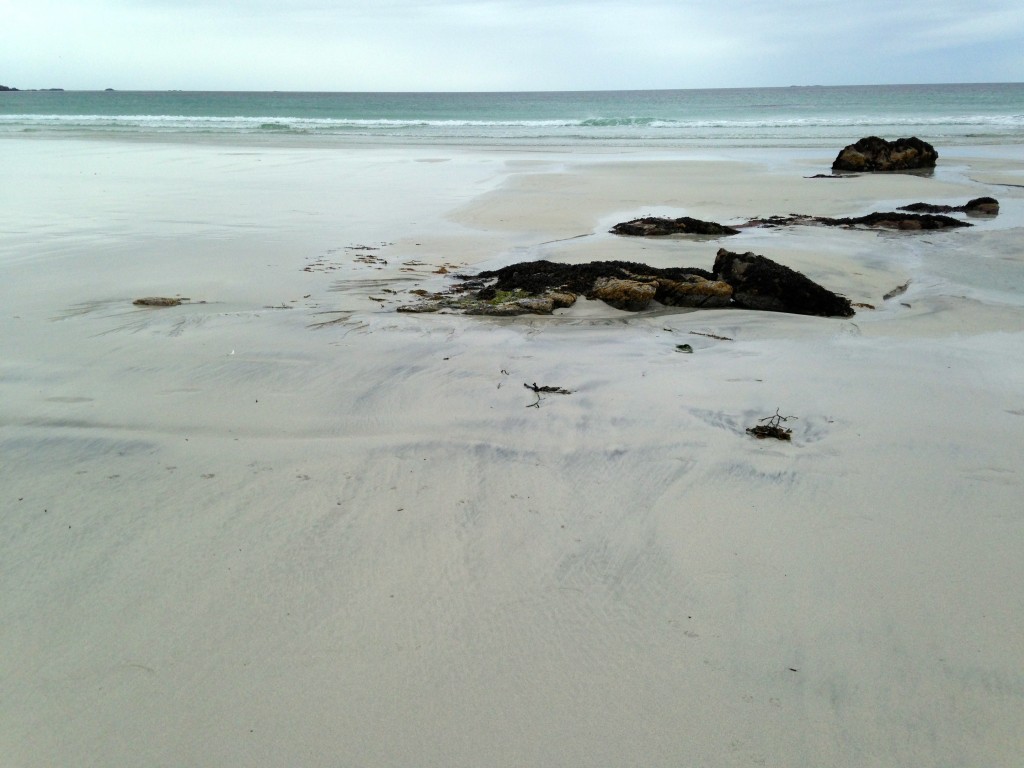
(500, 304)
(979, 206)
(528, 305)
(540, 276)
(540, 287)
(760, 283)
(894, 220)
(673, 286)
(875, 154)
(875, 220)
(693, 291)
(157, 301)
(630, 295)
(656, 226)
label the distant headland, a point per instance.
(8, 88)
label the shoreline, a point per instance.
(574, 145)
(232, 537)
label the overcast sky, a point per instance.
(395, 45)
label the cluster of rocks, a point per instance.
(875, 154)
(979, 206)
(875, 220)
(744, 280)
(913, 217)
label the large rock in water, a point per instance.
(874, 154)
(760, 283)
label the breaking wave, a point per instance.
(780, 129)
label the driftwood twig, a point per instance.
(771, 426)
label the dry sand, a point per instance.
(231, 537)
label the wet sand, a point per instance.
(283, 524)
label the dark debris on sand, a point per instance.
(771, 426)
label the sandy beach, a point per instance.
(284, 524)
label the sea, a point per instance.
(798, 116)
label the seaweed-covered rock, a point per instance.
(539, 287)
(657, 226)
(760, 283)
(979, 206)
(874, 220)
(876, 154)
(894, 220)
(536, 277)
(157, 301)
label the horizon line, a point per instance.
(14, 89)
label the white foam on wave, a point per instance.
(969, 128)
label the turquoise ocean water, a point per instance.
(795, 117)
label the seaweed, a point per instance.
(771, 426)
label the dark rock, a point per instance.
(982, 206)
(896, 221)
(760, 283)
(655, 226)
(540, 287)
(979, 206)
(157, 301)
(875, 154)
(536, 277)
(928, 208)
(877, 219)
